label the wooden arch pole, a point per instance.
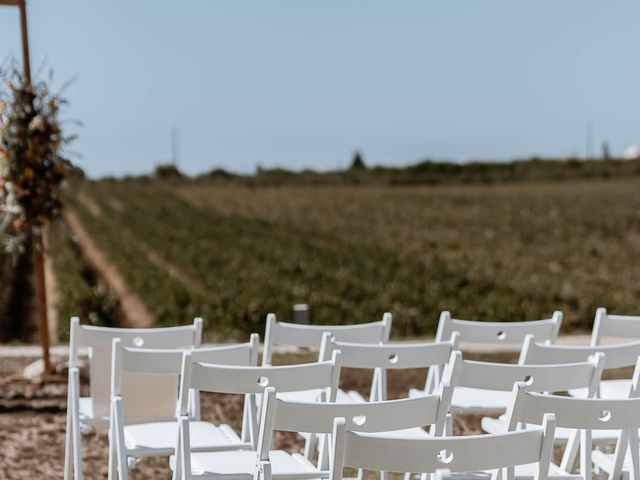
(38, 240)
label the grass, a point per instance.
(80, 293)
(503, 252)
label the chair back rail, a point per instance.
(310, 336)
(499, 332)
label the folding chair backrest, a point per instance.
(576, 413)
(540, 378)
(253, 380)
(614, 326)
(310, 336)
(148, 379)
(498, 332)
(427, 455)
(390, 415)
(391, 356)
(99, 340)
(616, 356)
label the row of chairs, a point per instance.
(129, 367)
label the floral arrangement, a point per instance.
(32, 165)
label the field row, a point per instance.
(489, 252)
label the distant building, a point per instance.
(631, 152)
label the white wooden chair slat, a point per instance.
(615, 326)
(310, 336)
(428, 455)
(287, 378)
(617, 356)
(498, 332)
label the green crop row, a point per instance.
(80, 293)
(485, 252)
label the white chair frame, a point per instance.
(616, 326)
(430, 455)
(490, 376)
(318, 418)
(251, 382)
(167, 363)
(472, 331)
(399, 356)
(98, 341)
(585, 415)
(310, 336)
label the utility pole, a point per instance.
(38, 240)
(175, 146)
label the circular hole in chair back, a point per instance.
(528, 379)
(138, 341)
(445, 456)
(263, 381)
(393, 358)
(605, 415)
(501, 335)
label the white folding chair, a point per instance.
(281, 415)
(404, 356)
(251, 382)
(477, 456)
(493, 333)
(621, 329)
(485, 387)
(144, 393)
(617, 356)
(399, 356)
(584, 415)
(84, 413)
(310, 336)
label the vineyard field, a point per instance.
(497, 252)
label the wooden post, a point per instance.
(38, 244)
(41, 296)
(22, 6)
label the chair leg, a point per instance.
(118, 433)
(75, 425)
(112, 450)
(68, 447)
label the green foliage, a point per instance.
(80, 293)
(358, 163)
(484, 252)
(168, 172)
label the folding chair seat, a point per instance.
(85, 413)
(278, 414)
(143, 421)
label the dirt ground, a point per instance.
(32, 424)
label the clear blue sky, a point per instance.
(303, 84)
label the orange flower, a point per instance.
(29, 173)
(19, 224)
